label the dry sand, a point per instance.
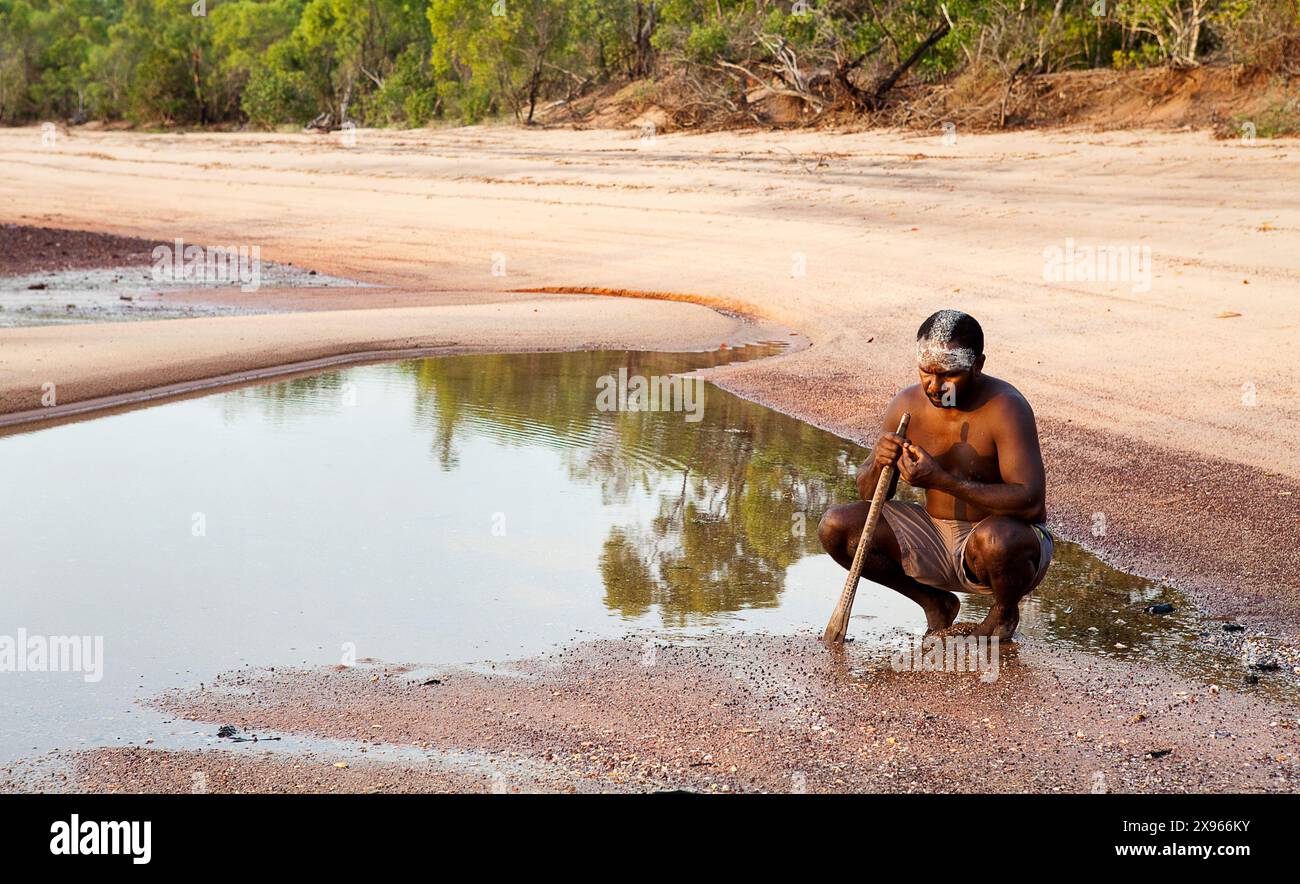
(1179, 427)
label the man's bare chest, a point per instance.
(963, 447)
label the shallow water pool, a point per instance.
(450, 510)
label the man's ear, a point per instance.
(979, 363)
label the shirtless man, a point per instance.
(973, 446)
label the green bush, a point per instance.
(1145, 56)
(409, 95)
(1280, 119)
(706, 43)
(275, 96)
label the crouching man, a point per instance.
(973, 446)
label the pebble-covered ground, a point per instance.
(26, 250)
(728, 714)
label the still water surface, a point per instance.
(452, 510)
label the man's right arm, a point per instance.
(888, 446)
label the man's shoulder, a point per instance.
(1002, 397)
(908, 397)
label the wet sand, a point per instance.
(734, 714)
(220, 771)
(188, 354)
(1141, 396)
(25, 250)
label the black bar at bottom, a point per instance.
(304, 832)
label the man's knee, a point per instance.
(833, 527)
(1001, 544)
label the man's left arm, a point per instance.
(1021, 492)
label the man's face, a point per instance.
(947, 373)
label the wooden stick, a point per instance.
(838, 626)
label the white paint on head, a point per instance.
(944, 356)
(937, 348)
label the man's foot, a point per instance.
(1000, 623)
(940, 611)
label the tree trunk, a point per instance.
(647, 15)
(1047, 35)
(534, 85)
(347, 99)
(196, 62)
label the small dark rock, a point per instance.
(1159, 753)
(226, 731)
(431, 681)
(1233, 627)
(1266, 666)
(1162, 608)
(36, 286)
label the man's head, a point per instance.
(949, 356)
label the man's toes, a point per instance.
(941, 613)
(999, 625)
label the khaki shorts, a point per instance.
(934, 550)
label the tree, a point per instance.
(506, 48)
(1175, 25)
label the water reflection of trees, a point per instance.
(738, 494)
(282, 400)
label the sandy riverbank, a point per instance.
(727, 714)
(1141, 396)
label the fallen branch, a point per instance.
(877, 98)
(379, 83)
(776, 90)
(844, 69)
(1006, 96)
(323, 123)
